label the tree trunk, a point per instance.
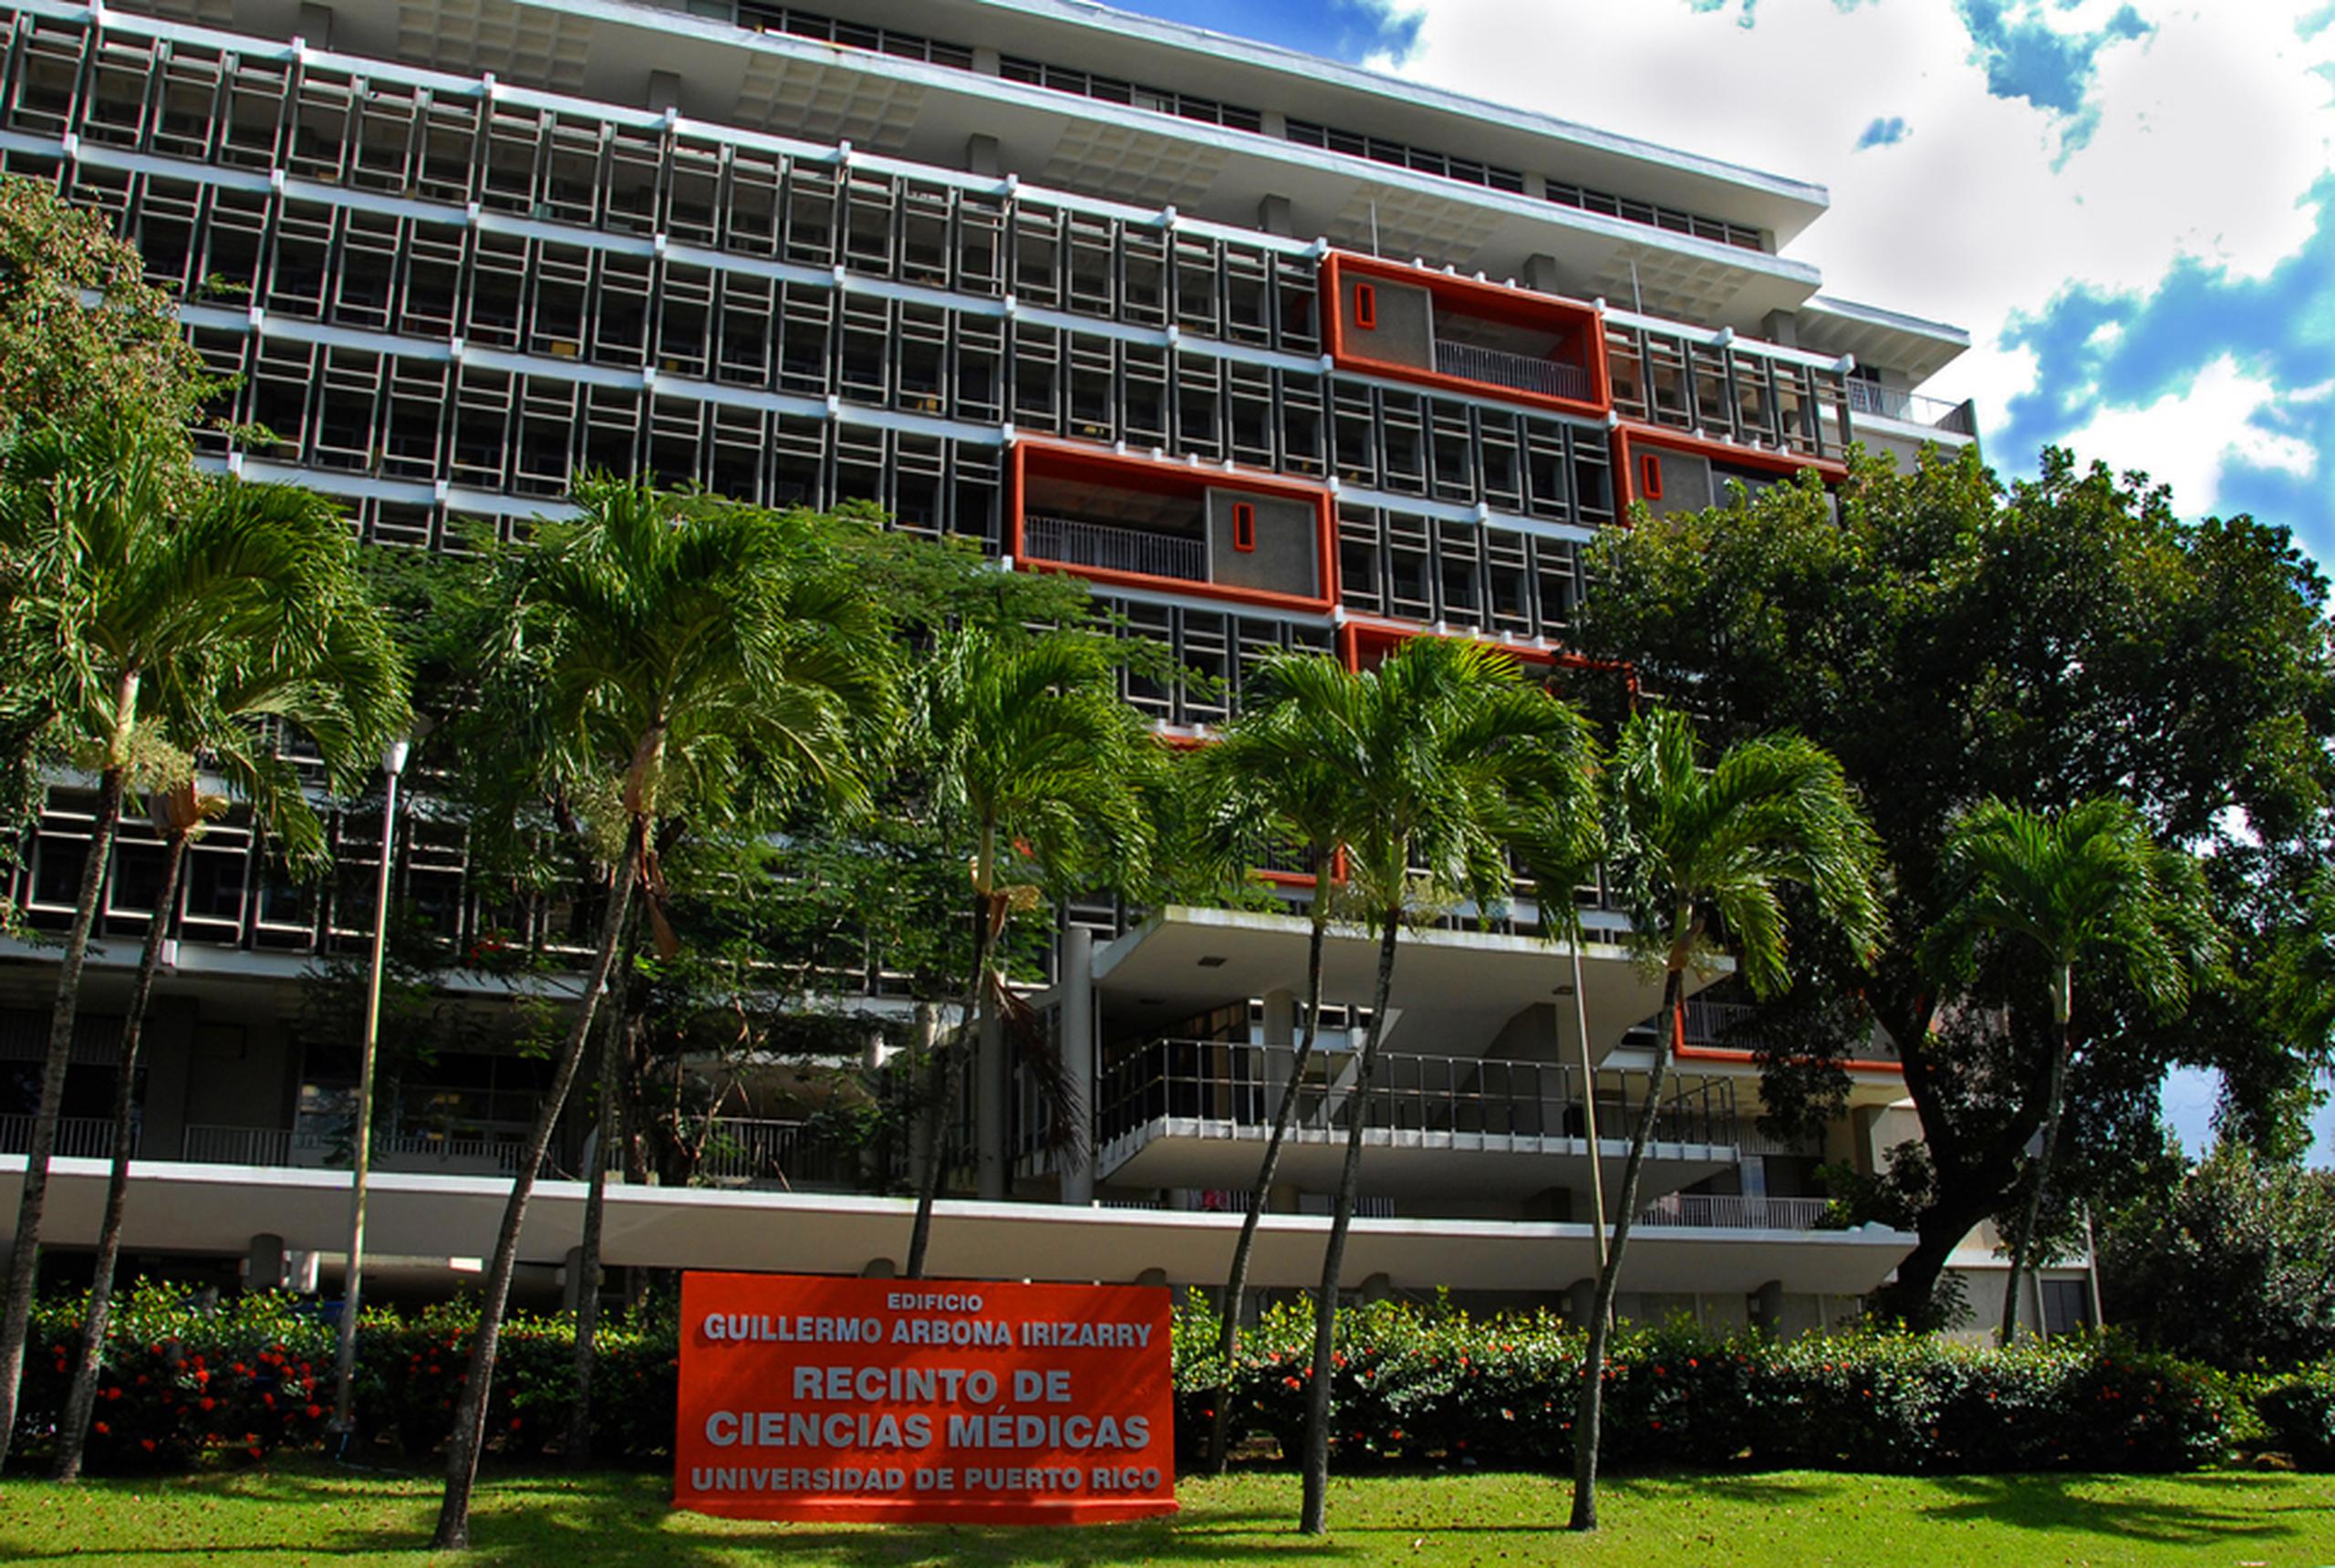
(2062, 998)
(1313, 1509)
(468, 1437)
(23, 1260)
(1589, 1407)
(73, 1434)
(1235, 1283)
(595, 1191)
(945, 1073)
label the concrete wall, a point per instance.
(1406, 331)
(1687, 483)
(1287, 558)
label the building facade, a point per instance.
(1105, 295)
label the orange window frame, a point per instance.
(1365, 307)
(1650, 476)
(1244, 526)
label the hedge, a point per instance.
(1414, 1386)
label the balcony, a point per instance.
(1723, 1211)
(77, 1137)
(1518, 373)
(734, 1152)
(1873, 398)
(1114, 548)
(1492, 340)
(1194, 1112)
(1142, 521)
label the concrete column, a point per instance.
(664, 90)
(1376, 1288)
(1152, 1277)
(1281, 1041)
(315, 26)
(1580, 1302)
(927, 1036)
(991, 1112)
(1077, 990)
(1781, 327)
(264, 1264)
(1768, 1308)
(570, 1280)
(982, 156)
(1541, 272)
(170, 1053)
(879, 1269)
(1273, 216)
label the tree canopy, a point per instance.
(1951, 639)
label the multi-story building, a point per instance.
(1277, 353)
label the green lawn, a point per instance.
(309, 1512)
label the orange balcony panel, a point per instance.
(1671, 471)
(1227, 534)
(1455, 333)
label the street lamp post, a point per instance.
(344, 1421)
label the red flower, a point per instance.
(103, 1430)
(314, 1411)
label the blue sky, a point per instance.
(2128, 203)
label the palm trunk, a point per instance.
(1236, 1282)
(24, 1259)
(595, 1189)
(1311, 1520)
(1589, 1407)
(946, 1071)
(468, 1437)
(2062, 998)
(73, 1434)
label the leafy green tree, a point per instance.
(219, 711)
(2235, 1266)
(1700, 858)
(1026, 765)
(1277, 786)
(1436, 747)
(668, 656)
(157, 615)
(2084, 887)
(1950, 640)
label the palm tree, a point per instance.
(1699, 859)
(2086, 886)
(1272, 779)
(668, 656)
(1025, 757)
(1437, 746)
(129, 579)
(221, 705)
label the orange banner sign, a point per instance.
(923, 1400)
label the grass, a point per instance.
(306, 1511)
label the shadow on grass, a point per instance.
(2185, 1510)
(313, 1510)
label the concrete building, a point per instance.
(1107, 296)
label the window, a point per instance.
(1244, 526)
(1650, 476)
(1365, 307)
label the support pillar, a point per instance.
(1273, 216)
(264, 1263)
(982, 156)
(571, 1280)
(1378, 1287)
(1280, 1047)
(1077, 1048)
(1542, 274)
(1767, 1309)
(1580, 1303)
(1157, 1277)
(879, 1269)
(991, 1112)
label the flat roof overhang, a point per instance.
(1455, 989)
(217, 1209)
(1400, 1162)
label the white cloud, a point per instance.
(2187, 439)
(2210, 130)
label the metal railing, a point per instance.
(1912, 408)
(1462, 1097)
(1114, 548)
(236, 1146)
(1723, 1211)
(749, 1151)
(77, 1137)
(1517, 372)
